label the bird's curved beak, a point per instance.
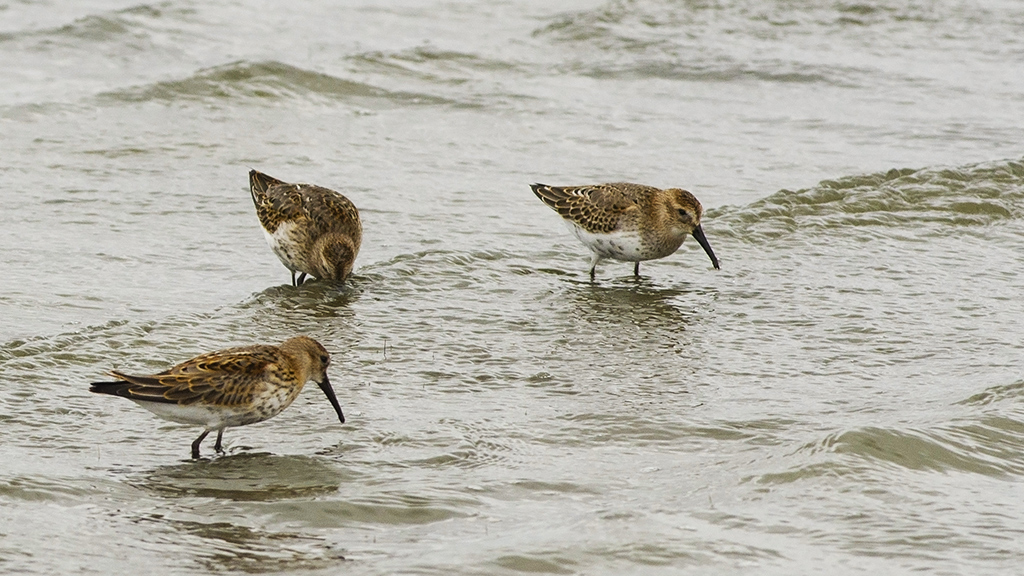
(698, 233)
(325, 385)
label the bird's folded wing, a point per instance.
(221, 378)
(596, 209)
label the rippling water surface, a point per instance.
(844, 395)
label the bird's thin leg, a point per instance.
(293, 278)
(302, 277)
(217, 446)
(636, 269)
(195, 445)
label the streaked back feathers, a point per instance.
(229, 377)
(312, 229)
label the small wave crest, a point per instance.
(990, 445)
(267, 81)
(974, 195)
(682, 41)
(130, 25)
(996, 395)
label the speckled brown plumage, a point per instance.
(231, 387)
(629, 222)
(598, 209)
(311, 229)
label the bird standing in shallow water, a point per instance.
(231, 387)
(628, 222)
(312, 230)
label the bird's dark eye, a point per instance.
(683, 213)
(325, 359)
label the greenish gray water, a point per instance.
(844, 395)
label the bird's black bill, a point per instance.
(326, 387)
(698, 233)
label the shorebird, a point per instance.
(231, 387)
(628, 222)
(312, 230)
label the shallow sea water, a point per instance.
(843, 395)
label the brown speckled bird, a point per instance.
(312, 230)
(231, 387)
(628, 222)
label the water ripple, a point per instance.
(976, 195)
(268, 81)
